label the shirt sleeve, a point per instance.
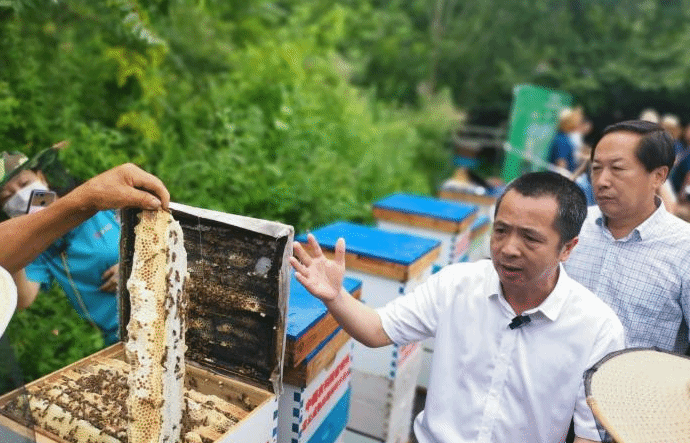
(685, 300)
(611, 338)
(561, 149)
(414, 316)
(37, 271)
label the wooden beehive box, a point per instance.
(479, 238)
(389, 264)
(238, 288)
(444, 220)
(309, 322)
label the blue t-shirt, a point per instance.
(563, 148)
(91, 248)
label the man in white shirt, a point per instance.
(25, 237)
(514, 335)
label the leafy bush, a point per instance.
(50, 334)
(247, 108)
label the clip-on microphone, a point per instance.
(519, 321)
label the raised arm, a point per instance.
(25, 237)
(323, 278)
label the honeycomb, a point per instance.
(87, 404)
(155, 348)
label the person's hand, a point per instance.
(109, 278)
(322, 277)
(122, 186)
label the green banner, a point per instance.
(533, 125)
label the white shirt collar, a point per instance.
(550, 308)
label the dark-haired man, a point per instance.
(632, 253)
(513, 335)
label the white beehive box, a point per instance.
(459, 191)
(447, 221)
(319, 411)
(389, 264)
(316, 397)
(238, 290)
(479, 238)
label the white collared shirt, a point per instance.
(490, 383)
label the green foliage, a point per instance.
(305, 112)
(49, 335)
(245, 107)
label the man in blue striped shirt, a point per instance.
(632, 252)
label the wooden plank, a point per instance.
(235, 397)
(297, 350)
(394, 271)
(417, 268)
(28, 434)
(303, 374)
(56, 376)
(406, 218)
(423, 221)
(467, 197)
(233, 391)
(383, 268)
(370, 265)
(479, 232)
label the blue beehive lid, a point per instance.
(480, 222)
(305, 310)
(375, 243)
(427, 207)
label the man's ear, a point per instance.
(566, 249)
(660, 175)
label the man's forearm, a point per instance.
(26, 290)
(25, 237)
(358, 320)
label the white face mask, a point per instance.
(18, 204)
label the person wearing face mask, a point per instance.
(24, 238)
(83, 261)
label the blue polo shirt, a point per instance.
(91, 248)
(563, 148)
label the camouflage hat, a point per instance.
(12, 163)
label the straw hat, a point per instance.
(641, 395)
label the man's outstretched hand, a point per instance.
(322, 277)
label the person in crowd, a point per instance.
(83, 261)
(513, 335)
(565, 145)
(672, 125)
(632, 252)
(649, 115)
(668, 194)
(679, 173)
